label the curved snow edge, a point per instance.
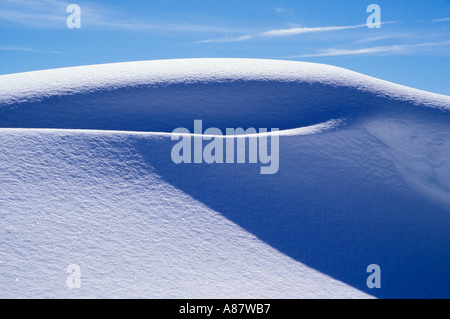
(29, 86)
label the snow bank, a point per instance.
(87, 179)
(158, 96)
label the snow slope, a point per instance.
(87, 179)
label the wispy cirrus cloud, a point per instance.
(26, 49)
(337, 52)
(401, 48)
(288, 32)
(52, 14)
(227, 39)
(441, 20)
(281, 10)
(45, 13)
(386, 37)
(295, 31)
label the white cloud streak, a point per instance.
(288, 32)
(26, 49)
(295, 31)
(281, 10)
(402, 48)
(227, 39)
(385, 37)
(441, 20)
(52, 14)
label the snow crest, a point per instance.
(87, 179)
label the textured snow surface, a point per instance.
(86, 178)
(91, 199)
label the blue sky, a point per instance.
(412, 47)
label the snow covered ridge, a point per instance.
(162, 95)
(34, 85)
(87, 179)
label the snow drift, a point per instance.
(87, 179)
